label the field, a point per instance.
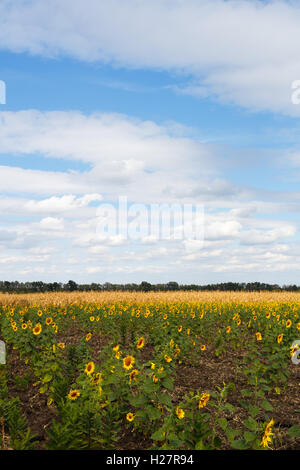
(175, 370)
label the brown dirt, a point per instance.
(203, 375)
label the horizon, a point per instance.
(174, 103)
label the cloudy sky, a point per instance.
(161, 102)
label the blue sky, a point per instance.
(162, 102)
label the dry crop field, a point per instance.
(174, 370)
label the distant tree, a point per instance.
(172, 285)
(71, 286)
(145, 286)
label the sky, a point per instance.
(168, 102)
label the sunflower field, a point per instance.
(117, 370)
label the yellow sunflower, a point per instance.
(74, 394)
(179, 412)
(140, 343)
(130, 417)
(128, 362)
(203, 400)
(37, 329)
(89, 368)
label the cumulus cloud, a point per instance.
(237, 51)
(138, 157)
(149, 163)
(51, 223)
(68, 202)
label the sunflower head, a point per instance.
(140, 343)
(74, 394)
(37, 329)
(128, 362)
(89, 368)
(130, 417)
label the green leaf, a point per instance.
(249, 436)
(231, 433)
(43, 388)
(266, 405)
(150, 388)
(240, 444)
(165, 399)
(253, 410)
(223, 423)
(138, 400)
(251, 424)
(153, 412)
(294, 431)
(200, 445)
(158, 435)
(47, 378)
(246, 392)
(229, 407)
(168, 383)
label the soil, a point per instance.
(204, 375)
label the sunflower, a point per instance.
(203, 400)
(89, 368)
(37, 329)
(179, 412)
(179, 328)
(103, 405)
(48, 320)
(116, 348)
(203, 347)
(133, 374)
(74, 394)
(288, 324)
(128, 362)
(140, 343)
(97, 378)
(279, 338)
(258, 336)
(155, 379)
(176, 352)
(61, 345)
(130, 417)
(228, 329)
(118, 354)
(88, 336)
(298, 326)
(24, 326)
(167, 358)
(267, 433)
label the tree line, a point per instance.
(70, 286)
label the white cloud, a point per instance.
(64, 203)
(149, 163)
(139, 158)
(238, 51)
(51, 223)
